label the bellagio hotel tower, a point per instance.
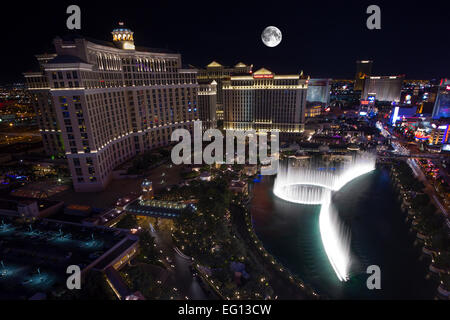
(101, 103)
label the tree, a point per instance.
(147, 247)
(420, 201)
(93, 287)
(441, 240)
(407, 177)
(127, 222)
(140, 278)
(443, 261)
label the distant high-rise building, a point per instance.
(42, 102)
(265, 101)
(442, 105)
(439, 133)
(218, 73)
(342, 92)
(207, 101)
(363, 70)
(112, 101)
(386, 88)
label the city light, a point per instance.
(135, 153)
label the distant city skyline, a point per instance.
(175, 151)
(323, 39)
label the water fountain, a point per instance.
(4, 227)
(336, 238)
(91, 243)
(300, 193)
(38, 279)
(39, 274)
(59, 236)
(330, 178)
(314, 185)
(31, 233)
(4, 271)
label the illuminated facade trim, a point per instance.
(108, 104)
(270, 103)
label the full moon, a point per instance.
(271, 36)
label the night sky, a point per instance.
(323, 38)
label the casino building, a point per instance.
(219, 73)
(38, 86)
(207, 100)
(383, 88)
(317, 97)
(105, 102)
(363, 71)
(442, 105)
(265, 101)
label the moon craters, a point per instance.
(271, 36)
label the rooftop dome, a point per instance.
(123, 36)
(122, 28)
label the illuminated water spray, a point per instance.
(336, 238)
(290, 177)
(313, 186)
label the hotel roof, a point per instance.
(214, 64)
(263, 71)
(66, 59)
(73, 37)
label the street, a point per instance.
(182, 277)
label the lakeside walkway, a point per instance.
(283, 285)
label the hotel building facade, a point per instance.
(441, 107)
(112, 101)
(38, 86)
(207, 100)
(363, 71)
(265, 101)
(318, 97)
(383, 88)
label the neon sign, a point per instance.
(394, 118)
(262, 76)
(420, 135)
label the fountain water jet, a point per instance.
(4, 271)
(289, 177)
(336, 238)
(299, 193)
